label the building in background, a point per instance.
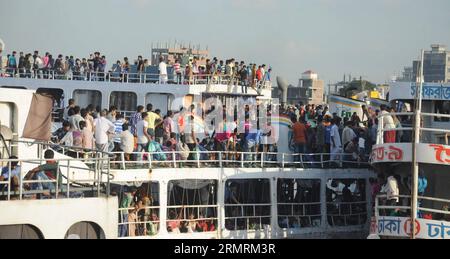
(407, 75)
(436, 68)
(310, 90)
(183, 54)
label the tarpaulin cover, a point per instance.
(39, 120)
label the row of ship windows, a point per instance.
(247, 205)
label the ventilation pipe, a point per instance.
(283, 86)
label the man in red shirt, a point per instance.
(299, 137)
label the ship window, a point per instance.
(298, 203)
(124, 101)
(20, 232)
(138, 209)
(84, 98)
(192, 206)
(159, 101)
(247, 204)
(85, 230)
(442, 107)
(346, 202)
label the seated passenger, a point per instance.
(184, 150)
(61, 132)
(14, 174)
(167, 148)
(174, 223)
(191, 224)
(45, 172)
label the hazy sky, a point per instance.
(372, 38)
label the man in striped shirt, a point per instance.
(177, 70)
(118, 124)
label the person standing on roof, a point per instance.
(162, 71)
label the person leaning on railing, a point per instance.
(45, 172)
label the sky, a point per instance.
(374, 39)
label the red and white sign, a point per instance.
(402, 152)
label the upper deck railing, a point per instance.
(403, 207)
(231, 159)
(138, 78)
(406, 128)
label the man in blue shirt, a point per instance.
(12, 64)
(14, 174)
(251, 140)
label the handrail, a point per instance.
(381, 129)
(394, 207)
(60, 182)
(225, 158)
(127, 77)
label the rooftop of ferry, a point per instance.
(96, 68)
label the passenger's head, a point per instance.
(82, 125)
(125, 127)
(71, 102)
(77, 109)
(144, 115)
(119, 116)
(103, 113)
(83, 113)
(149, 107)
(140, 109)
(49, 154)
(15, 163)
(66, 126)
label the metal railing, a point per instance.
(298, 212)
(381, 129)
(140, 78)
(143, 225)
(201, 214)
(201, 159)
(65, 184)
(345, 213)
(381, 209)
(247, 216)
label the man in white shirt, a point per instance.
(76, 118)
(336, 145)
(142, 135)
(388, 123)
(126, 141)
(103, 127)
(348, 134)
(162, 71)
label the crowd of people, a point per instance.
(94, 68)
(317, 135)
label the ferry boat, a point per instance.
(221, 196)
(420, 156)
